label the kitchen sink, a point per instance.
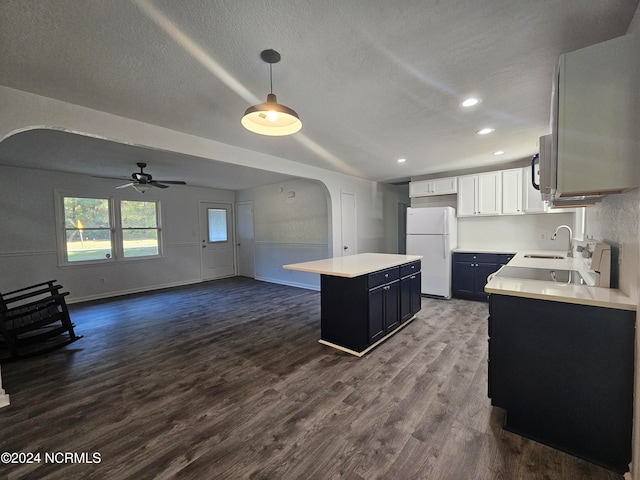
(557, 276)
(544, 256)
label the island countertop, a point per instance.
(353, 265)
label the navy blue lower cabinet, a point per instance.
(410, 298)
(384, 310)
(357, 312)
(469, 272)
(564, 375)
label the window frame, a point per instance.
(115, 220)
(121, 230)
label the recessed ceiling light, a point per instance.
(499, 152)
(470, 102)
(485, 131)
(402, 160)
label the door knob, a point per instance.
(345, 247)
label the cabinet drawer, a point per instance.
(409, 269)
(383, 276)
(504, 258)
(476, 257)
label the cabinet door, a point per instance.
(376, 314)
(512, 191)
(489, 193)
(467, 195)
(463, 278)
(444, 186)
(410, 299)
(416, 299)
(482, 271)
(405, 299)
(391, 306)
(420, 188)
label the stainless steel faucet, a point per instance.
(555, 235)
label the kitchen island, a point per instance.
(561, 360)
(365, 298)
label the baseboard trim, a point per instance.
(370, 347)
(130, 291)
(289, 284)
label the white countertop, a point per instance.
(559, 292)
(353, 265)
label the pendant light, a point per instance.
(271, 118)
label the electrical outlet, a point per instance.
(543, 235)
(620, 245)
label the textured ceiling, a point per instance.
(372, 80)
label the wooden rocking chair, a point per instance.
(34, 320)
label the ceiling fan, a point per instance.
(143, 181)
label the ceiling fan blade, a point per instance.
(157, 184)
(172, 182)
(126, 185)
(112, 178)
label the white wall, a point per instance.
(291, 223)
(392, 196)
(28, 252)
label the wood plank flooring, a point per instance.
(227, 380)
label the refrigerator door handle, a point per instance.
(444, 246)
(445, 222)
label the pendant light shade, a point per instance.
(271, 118)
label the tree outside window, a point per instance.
(139, 228)
(87, 229)
(90, 234)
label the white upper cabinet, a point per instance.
(489, 193)
(467, 195)
(480, 194)
(512, 191)
(437, 186)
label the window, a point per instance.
(217, 220)
(102, 229)
(87, 223)
(139, 228)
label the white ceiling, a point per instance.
(372, 80)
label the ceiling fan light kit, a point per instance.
(271, 118)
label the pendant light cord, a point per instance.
(271, 77)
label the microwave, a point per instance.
(593, 149)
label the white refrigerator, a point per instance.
(433, 232)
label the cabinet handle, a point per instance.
(413, 277)
(386, 275)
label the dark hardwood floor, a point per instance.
(227, 380)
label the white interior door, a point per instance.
(348, 223)
(246, 251)
(216, 234)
